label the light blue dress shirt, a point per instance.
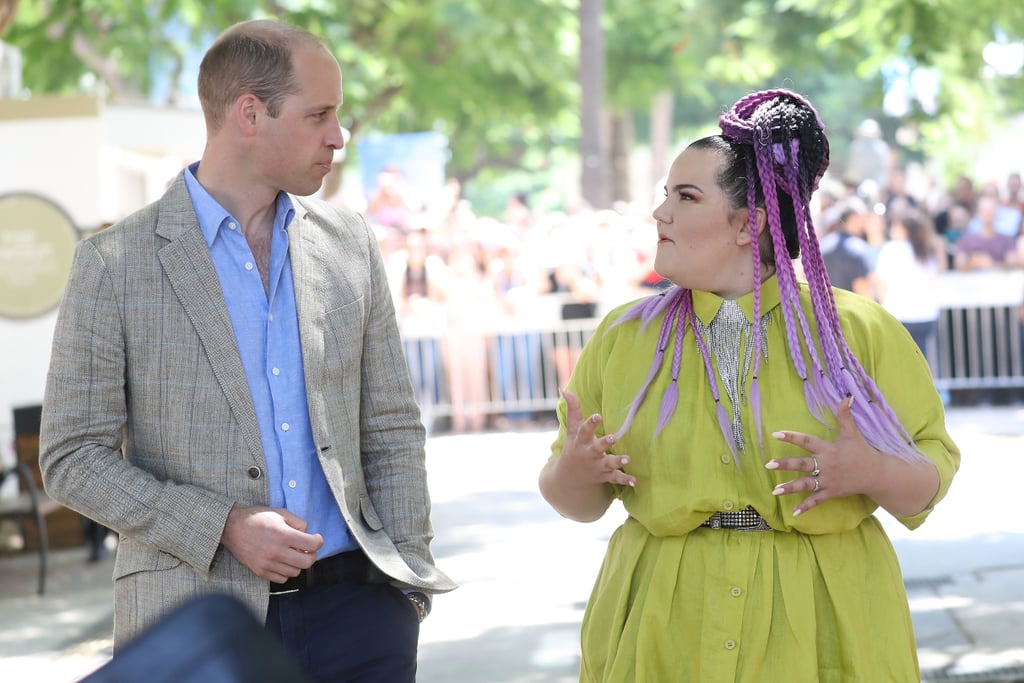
(266, 325)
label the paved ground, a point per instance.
(525, 573)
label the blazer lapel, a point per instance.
(309, 276)
(187, 264)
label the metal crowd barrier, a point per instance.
(979, 345)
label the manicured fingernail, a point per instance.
(632, 483)
(772, 465)
(796, 512)
(595, 418)
(625, 460)
(778, 490)
(779, 435)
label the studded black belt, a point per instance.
(746, 519)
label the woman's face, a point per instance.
(702, 243)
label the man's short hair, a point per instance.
(253, 57)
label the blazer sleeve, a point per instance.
(84, 418)
(392, 433)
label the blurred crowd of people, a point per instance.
(469, 287)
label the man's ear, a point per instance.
(743, 224)
(245, 111)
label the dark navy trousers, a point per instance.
(348, 632)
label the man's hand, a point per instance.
(272, 542)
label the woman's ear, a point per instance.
(743, 237)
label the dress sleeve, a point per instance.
(901, 372)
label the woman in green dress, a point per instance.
(751, 422)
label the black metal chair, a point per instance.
(29, 505)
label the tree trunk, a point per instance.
(661, 139)
(622, 146)
(594, 180)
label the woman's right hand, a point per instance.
(585, 453)
(576, 483)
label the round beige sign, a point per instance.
(37, 243)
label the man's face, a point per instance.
(301, 140)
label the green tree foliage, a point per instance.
(496, 77)
(499, 77)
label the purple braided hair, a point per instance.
(780, 141)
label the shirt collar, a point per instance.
(212, 216)
(706, 304)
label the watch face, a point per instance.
(37, 244)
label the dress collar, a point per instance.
(706, 304)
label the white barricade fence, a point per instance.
(980, 330)
(980, 344)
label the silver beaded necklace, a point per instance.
(728, 332)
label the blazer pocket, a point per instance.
(369, 514)
(342, 345)
(139, 558)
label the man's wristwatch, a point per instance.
(421, 603)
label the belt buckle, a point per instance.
(760, 525)
(716, 520)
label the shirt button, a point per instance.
(730, 645)
(285, 426)
(271, 317)
(736, 591)
(727, 505)
(255, 472)
(276, 372)
(726, 459)
(248, 266)
(233, 226)
(292, 484)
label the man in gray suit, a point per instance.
(228, 390)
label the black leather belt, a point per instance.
(746, 519)
(353, 565)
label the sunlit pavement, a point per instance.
(525, 573)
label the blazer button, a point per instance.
(255, 472)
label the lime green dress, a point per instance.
(820, 598)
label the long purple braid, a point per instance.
(785, 153)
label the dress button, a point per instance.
(727, 505)
(726, 459)
(730, 645)
(255, 472)
(735, 591)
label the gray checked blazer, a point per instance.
(149, 427)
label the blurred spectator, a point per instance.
(963, 195)
(907, 278)
(896, 198)
(390, 203)
(985, 247)
(470, 305)
(415, 274)
(846, 253)
(868, 156)
(1007, 218)
(1014, 192)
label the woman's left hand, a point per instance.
(834, 469)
